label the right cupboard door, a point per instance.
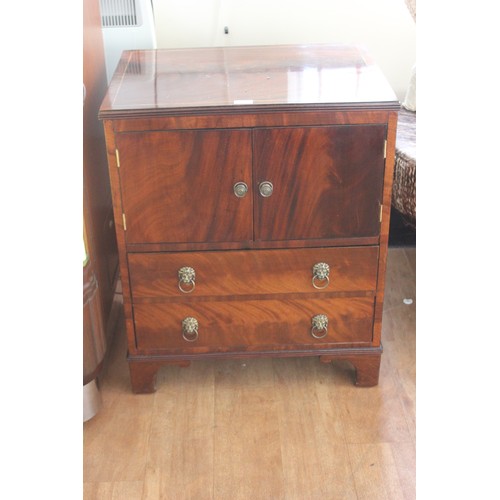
(318, 182)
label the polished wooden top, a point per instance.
(227, 79)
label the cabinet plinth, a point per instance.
(251, 204)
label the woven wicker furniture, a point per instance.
(405, 167)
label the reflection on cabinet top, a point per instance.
(245, 79)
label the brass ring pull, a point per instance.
(240, 189)
(187, 278)
(190, 329)
(321, 273)
(319, 324)
(266, 189)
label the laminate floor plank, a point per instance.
(399, 330)
(180, 458)
(375, 471)
(284, 428)
(315, 456)
(247, 436)
(115, 446)
(124, 490)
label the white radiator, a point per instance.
(126, 25)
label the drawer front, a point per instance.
(237, 273)
(253, 325)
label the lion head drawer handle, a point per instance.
(190, 329)
(187, 278)
(319, 325)
(321, 275)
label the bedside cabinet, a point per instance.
(252, 193)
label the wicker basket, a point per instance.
(405, 167)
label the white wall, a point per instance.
(384, 27)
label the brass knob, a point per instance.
(190, 329)
(321, 273)
(319, 324)
(240, 189)
(266, 189)
(187, 278)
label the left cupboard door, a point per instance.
(179, 186)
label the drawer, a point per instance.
(239, 273)
(240, 326)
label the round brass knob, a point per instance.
(190, 329)
(319, 325)
(321, 273)
(266, 189)
(187, 278)
(240, 189)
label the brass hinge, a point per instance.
(380, 215)
(117, 158)
(124, 222)
(385, 149)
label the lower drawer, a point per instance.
(223, 326)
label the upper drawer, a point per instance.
(156, 275)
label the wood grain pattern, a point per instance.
(250, 419)
(178, 186)
(155, 276)
(313, 445)
(327, 181)
(118, 490)
(182, 424)
(239, 325)
(244, 119)
(371, 463)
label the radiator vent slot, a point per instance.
(118, 13)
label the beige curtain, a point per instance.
(410, 101)
(412, 7)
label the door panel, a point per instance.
(177, 186)
(327, 181)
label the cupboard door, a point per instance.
(178, 186)
(326, 181)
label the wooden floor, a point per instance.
(263, 429)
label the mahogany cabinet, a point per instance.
(251, 191)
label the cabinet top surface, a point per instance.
(245, 79)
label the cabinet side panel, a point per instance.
(384, 228)
(120, 232)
